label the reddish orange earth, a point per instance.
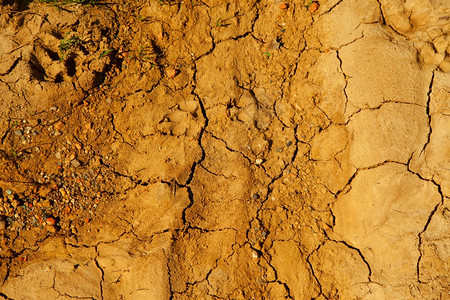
(224, 149)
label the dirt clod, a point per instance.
(314, 6)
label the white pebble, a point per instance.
(75, 163)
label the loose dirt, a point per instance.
(225, 149)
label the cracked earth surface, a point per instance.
(225, 150)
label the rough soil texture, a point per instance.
(225, 150)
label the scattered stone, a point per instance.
(51, 221)
(274, 45)
(18, 132)
(58, 155)
(283, 5)
(258, 161)
(171, 72)
(255, 197)
(75, 163)
(288, 143)
(314, 6)
(59, 125)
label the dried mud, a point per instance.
(225, 150)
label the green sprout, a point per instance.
(14, 153)
(67, 44)
(146, 54)
(106, 52)
(219, 22)
(223, 22)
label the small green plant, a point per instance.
(223, 22)
(106, 52)
(219, 23)
(267, 53)
(309, 4)
(67, 44)
(14, 153)
(146, 54)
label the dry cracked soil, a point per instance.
(225, 149)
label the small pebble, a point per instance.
(51, 221)
(279, 150)
(171, 72)
(288, 143)
(283, 5)
(75, 163)
(258, 161)
(314, 6)
(18, 132)
(58, 155)
(255, 196)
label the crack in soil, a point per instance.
(430, 130)
(430, 217)
(346, 81)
